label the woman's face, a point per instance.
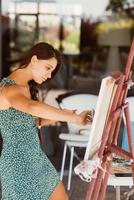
(42, 69)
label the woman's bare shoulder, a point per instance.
(12, 93)
(5, 92)
(15, 98)
(10, 90)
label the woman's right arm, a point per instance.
(36, 108)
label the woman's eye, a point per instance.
(48, 68)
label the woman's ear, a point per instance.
(34, 59)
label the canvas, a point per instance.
(106, 94)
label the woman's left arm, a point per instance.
(47, 122)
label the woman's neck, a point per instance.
(21, 76)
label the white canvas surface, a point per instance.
(106, 94)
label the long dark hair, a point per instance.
(43, 51)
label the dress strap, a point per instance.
(6, 81)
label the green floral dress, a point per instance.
(26, 173)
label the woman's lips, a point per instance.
(44, 79)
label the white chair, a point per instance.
(117, 182)
(124, 181)
(75, 137)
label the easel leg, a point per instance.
(90, 189)
(104, 186)
(99, 182)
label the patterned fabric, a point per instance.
(26, 173)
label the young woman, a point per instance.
(26, 173)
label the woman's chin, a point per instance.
(40, 81)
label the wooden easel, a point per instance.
(97, 187)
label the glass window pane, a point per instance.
(26, 30)
(71, 36)
(49, 29)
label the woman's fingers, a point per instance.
(88, 120)
(89, 116)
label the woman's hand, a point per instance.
(86, 117)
